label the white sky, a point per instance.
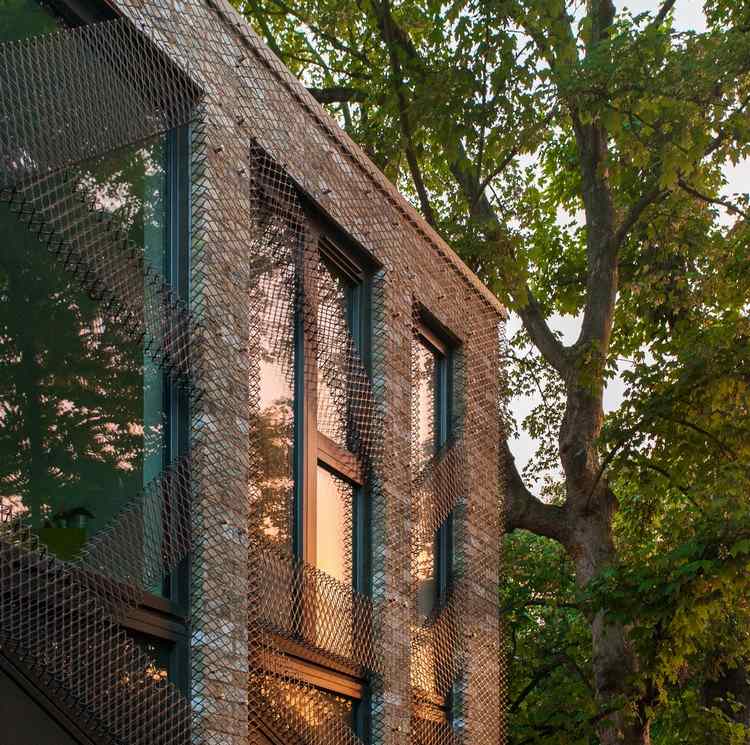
(688, 15)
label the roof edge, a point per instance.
(400, 203)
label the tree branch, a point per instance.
(536, 679)
(270, 38)
(337, 94)
(332, 40)
(733, 208)
(541, 334)
(668, 476)
(648, 197)
(411, 159)
(666, 6)
(524, 511)
(393, 40)
(527, 306)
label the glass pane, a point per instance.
(21, 19)
(159, 652)
(82, 419)
(333, 542)
(424, 407)
(274, 497)
(423, 662)
(335, 350)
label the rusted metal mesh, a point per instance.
(258, 144)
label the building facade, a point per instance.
(249, 406)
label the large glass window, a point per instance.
(332, 490)
(82, 406)
(432, 366)
(310, 453)
(88, 420)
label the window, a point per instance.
(432, 394)
(432, 547)
(312, 500)
(87, 419)
(329, 529)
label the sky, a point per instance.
(688, 15)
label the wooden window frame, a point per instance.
(312, 447)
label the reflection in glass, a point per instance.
(333, 525)
(81, 407)
(423, 662)
(159, 653)
(327, 716)
(425, 384)
(275, 424)
(334, 348)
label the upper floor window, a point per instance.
(431, 410)
(309, 363)
(329, 529)
(82, 406)
(312, 496)
(88, 419)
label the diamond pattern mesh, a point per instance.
(260, 149)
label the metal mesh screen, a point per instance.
(260, 150)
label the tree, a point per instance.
(572, 154)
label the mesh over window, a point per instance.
(82, 421)
(73, 98)
(334, 339)
(333, 525)
(424, 382)
(272, 499)
(303, 715)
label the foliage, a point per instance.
(548, 645)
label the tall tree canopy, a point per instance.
(572, 153)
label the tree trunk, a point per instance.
(614, 662)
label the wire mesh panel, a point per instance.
(261, 152)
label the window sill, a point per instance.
(314, 668)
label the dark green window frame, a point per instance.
(443, 351)
(162, 620)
